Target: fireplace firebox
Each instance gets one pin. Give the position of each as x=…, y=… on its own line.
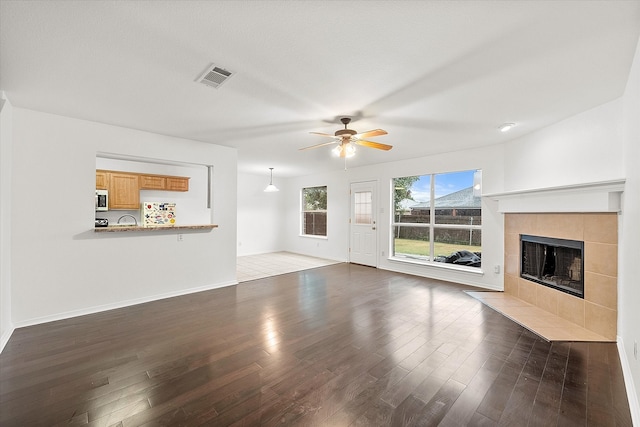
x=556, y=263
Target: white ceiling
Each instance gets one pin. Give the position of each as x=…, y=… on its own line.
x=437, y=75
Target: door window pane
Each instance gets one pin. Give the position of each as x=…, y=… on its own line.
x=363, y=207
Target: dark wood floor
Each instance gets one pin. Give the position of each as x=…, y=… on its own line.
x=335, y=346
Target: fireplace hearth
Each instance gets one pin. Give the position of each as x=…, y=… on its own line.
x=556, y=263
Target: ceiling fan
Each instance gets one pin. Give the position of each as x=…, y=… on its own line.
x=348, y=137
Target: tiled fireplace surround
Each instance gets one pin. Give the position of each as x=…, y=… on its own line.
x=597, y=312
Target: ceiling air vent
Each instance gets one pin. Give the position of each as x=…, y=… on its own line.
x=214, y=76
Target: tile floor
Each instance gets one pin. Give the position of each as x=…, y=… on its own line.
x=253, y=267
x=541, y=322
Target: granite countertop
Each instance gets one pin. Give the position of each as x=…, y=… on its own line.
x=129, y=228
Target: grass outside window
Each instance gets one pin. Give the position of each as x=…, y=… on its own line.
x=421, y=247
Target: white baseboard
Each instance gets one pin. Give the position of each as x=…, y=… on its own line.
x=5, y=337
x=121, y=304
x=632, y=394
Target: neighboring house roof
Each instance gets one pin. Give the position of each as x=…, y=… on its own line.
x=463, y=199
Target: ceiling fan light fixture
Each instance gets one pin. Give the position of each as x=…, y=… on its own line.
x=350, y=150
x=271, y=188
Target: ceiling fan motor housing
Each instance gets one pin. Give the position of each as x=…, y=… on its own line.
x=345, y=132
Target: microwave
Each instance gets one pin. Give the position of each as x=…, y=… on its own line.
x=102, y=200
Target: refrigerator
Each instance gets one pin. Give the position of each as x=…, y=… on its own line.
x=158, y=214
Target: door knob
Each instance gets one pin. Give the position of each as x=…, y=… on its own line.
x=373, y=228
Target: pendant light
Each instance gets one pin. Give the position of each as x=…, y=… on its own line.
x=271, y=188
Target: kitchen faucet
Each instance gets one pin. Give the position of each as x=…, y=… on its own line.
x=131, y=216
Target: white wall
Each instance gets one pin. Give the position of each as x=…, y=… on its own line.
x=6, y=324
x=581, y=149
x=489, y=159
x=629, y=239
x=61, y=267
x=260, y=217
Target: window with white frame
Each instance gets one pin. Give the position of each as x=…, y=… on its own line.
x=314, y=211
x=438, y=218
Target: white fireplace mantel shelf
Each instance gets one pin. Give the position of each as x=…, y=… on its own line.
x=604, y=196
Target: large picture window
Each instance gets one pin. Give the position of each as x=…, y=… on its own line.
x=314, y=211
x=438, y=218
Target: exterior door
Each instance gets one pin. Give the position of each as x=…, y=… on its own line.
x=363, y=240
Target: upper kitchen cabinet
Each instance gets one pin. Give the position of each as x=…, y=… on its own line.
x=177, y=183
x=124, y=187
x=153, y=182
x=164, y=182
x=124, y=191
x=102, y=180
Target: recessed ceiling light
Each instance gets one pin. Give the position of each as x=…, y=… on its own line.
x=505, y=127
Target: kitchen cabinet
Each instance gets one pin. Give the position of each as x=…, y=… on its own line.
x=164, y=182
x=177, y=183
x=102, y=180
x=124, y=187
x=124, y=191
x=153, y=182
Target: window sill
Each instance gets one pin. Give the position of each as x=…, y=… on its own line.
x=313, y=237
x=441, y=265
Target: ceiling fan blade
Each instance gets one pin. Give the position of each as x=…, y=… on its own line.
x=371, y=133
x=319, y=145
x=372, y=144
x=323, y=134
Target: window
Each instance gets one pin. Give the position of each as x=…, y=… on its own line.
x=438, y=218
x=362, y=204
x=314, y=211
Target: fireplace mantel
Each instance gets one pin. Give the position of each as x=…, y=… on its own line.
x=604, y=196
